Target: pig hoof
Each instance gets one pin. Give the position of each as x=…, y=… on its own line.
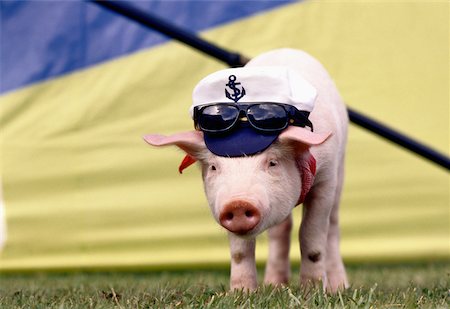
x=245, y=285
x=337, y=282
x=277, y=278
x=277, y=281
x=313, y=283
x=244, y=288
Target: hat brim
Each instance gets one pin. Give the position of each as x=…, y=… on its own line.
x=246, y=141
x=242, y=141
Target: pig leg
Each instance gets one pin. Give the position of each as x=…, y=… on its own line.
x=313, y=233
x=278, y=268
x=337, y=278
x=243, y=266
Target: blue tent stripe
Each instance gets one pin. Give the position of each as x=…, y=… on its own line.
x=45, y=39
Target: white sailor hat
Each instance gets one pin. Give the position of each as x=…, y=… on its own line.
x=252, y=85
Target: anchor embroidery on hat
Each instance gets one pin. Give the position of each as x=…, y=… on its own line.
x=237, y=93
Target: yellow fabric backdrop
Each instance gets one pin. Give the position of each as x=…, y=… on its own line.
x=82, y=189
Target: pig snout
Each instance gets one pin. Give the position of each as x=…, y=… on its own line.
x=239, y=217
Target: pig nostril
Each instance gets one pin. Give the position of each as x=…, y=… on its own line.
x=249, y=214
x=229, y=216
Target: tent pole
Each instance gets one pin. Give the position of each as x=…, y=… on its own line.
x=234, y=59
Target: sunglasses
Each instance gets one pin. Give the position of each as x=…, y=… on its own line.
x=268, y=117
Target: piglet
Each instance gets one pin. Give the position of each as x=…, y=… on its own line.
x=252, y=193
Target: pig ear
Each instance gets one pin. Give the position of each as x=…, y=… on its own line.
x=190, y=142
x=304, y=136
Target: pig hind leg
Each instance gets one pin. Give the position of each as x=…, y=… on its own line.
x=337, y=278
x=278, y=268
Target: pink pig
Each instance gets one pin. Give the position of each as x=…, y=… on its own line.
x=250, y=194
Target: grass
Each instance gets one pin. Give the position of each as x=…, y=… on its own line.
x=373, y=286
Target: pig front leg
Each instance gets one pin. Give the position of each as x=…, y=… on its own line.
x=313, y=234
x=243, y=266
x=278, y=268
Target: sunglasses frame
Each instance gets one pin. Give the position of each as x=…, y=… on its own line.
x=294, y=116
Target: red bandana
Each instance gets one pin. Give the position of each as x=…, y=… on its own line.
x=187, y=161
x=307, y=167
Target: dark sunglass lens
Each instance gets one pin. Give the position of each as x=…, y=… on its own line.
x=218, y=118
x=267, y=116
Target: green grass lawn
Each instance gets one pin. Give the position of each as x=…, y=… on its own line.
x=373, y=286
